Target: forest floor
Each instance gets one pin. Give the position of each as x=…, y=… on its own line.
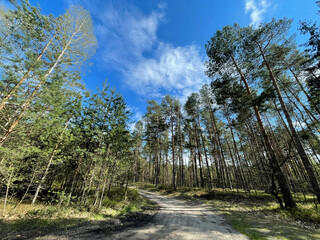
x=73, y=228
x=176, y=219
x=257, y=216
x=161, y=213
x=47, y=221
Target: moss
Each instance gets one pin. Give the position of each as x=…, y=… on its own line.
x=243, y=227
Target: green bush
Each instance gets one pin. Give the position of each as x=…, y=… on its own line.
x=90, y=201
x=162, y=187
x=133, y=195
x=168, y=189
x=107, y=202
x=116, y=194
x=128, y=209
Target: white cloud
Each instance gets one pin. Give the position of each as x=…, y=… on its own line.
x=123, y=31
x=177, y=70
x=257, y=9
x=125, y=34
x=128, y=43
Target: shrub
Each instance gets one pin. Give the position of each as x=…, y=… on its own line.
x=107, y=202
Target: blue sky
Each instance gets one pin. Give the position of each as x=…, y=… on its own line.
x=150, y=48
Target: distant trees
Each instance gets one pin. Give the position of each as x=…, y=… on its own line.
x=169, y=107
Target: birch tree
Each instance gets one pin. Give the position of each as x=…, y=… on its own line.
x=74, y=43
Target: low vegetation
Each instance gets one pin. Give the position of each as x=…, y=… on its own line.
x=61, y=214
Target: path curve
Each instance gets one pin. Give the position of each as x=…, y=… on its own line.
x=180, y=220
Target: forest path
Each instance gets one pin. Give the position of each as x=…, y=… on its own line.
x=180, y=219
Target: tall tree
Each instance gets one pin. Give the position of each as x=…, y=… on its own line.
x=73, y=44
x=169, y=104
x=224, y=51
x=260, y=41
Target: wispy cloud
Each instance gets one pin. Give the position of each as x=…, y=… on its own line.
x=129, y=44
x=125, y=35
x=257, y=10
x=123, y=31
x=176, y=70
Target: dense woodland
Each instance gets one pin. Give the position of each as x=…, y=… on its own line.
x=254, y=127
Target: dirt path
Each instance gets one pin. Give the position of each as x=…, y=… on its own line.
x=179, y=219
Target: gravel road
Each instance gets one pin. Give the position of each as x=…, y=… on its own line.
x=179, y=219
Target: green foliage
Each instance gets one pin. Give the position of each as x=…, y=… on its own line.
x=117, y=193
x=240, y=225
x=58, y=136
x=312, y=64
x=304, y=212
x=130, y=208
x=107, y=202
x=167, y=189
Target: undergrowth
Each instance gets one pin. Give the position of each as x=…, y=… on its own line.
x=56, y=215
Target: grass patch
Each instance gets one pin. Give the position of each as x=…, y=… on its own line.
x=44, y=217
x=242, y=226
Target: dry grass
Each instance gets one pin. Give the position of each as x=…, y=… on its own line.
x=44, y=217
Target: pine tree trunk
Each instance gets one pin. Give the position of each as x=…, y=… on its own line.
x=244, y=183
x=74, y=179
x=26, y=192
x=283, y=183
x=215, y=158
x=199, y=156
x=104, y=186
x=126, y=189
x=157, y=155
x=195, y=167
x=205, y=156
x=174, y=185
x=300, y=149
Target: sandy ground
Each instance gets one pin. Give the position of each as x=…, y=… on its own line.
x=179, y=219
